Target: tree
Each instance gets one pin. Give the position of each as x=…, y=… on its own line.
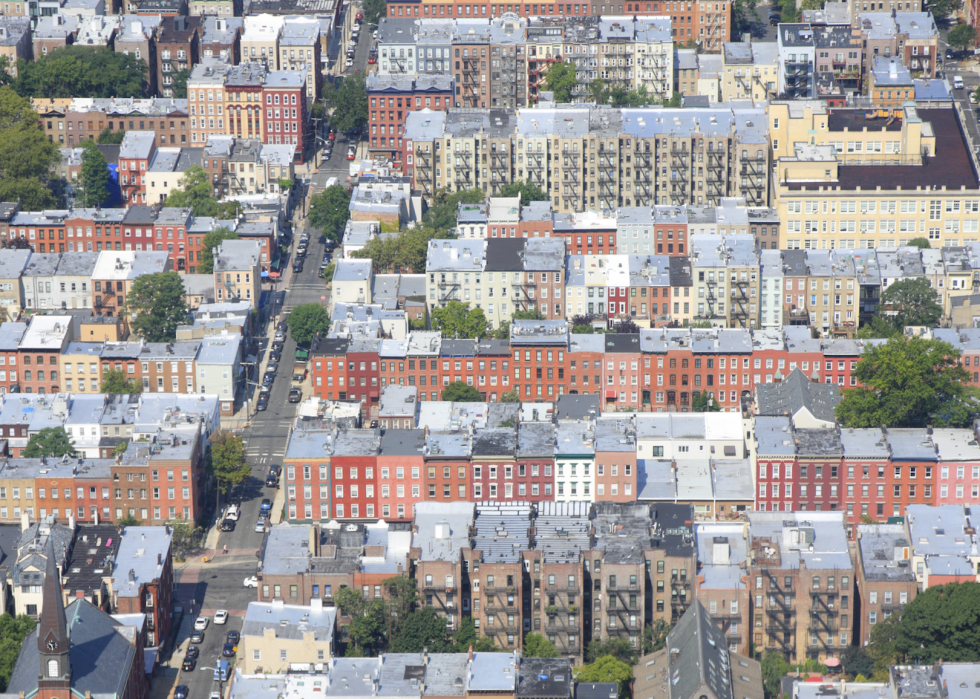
x=81, y=70
x=879, y=327
x=94, y=179
x=963, y=36
x=856, y=661
x=561, y=80
x=229, y=459
x=50, y=441
x=460, y=392
x=374, y=10
x=110, y=138
x=583, y=329
x=941, y=623
x=618, y=648
x=457, y=319
x=537, y=646
x=882, y=649
x=159, y=305
x=401, y=253
x=29, y=191
x=330, y=211
x=195, y=193
x=115, y=381
x=306, y=320
x=180, y=83
x=445, y=207
x=527, y=191
x=205, y=264
x=531, y=314
x=13, y=631
x=944, y=8
x=26, y=153
x=626, y=326
x=350, y=104
x=921, y=243
x=655, y=636
x=15, y=243
x=607, y=669
x=914, y=302
x=129, y=521
x=510, y=397
x=423, y=628
x=701, y=402
x=909, y=382
x=185, y=536
x=466, y=638
x=774, y=668
x=403, y=593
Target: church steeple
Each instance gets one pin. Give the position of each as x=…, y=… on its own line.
x=54, y=673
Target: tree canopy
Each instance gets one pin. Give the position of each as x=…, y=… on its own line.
x=81, y=70
x=962, y=36
x=26, y=154
x=115, y=381
x=460, y=392
x=212, y=239
x=349, y=102
x=159, y=303
x=701, y=402
x=374, y=10
x=921, y=243
x=13, y=631
x=445, y=207
x=179, y=85
x=617, y=647
x=511, y=396
x=527, y=191
x=941, y=623
x=913, y=302
x=229, y=459
x=197, y=194
x=536, y=645
x=94, y=178
x=329, y=211
x=306, y=320
x=466, y=637
x=50, y=441
x=457, y=319
x=607, y=669
x=909, y=382
x=405, y=252
x=561, y=80
x=110, y=138
x=423, y=628
x=774, y=668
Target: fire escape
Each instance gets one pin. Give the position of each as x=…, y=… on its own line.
x=503, y=614
x=573, y=186
x=824, y=620
x=740, y=300
x=536, y=168
x=717, y=175
x=463, y=170
x=711, y=297
x=654, y=66
x=448, y=288
x=643, y=184
x=562, y=615
x=796, y=71
x=780, y=619
x=608, y=186
x=537, y=71
x=679, y=588
x=524, y=291
x=499, y=166
x=423, y=170
x=508, y=80
x=680, y=173
x=470, y=88
x=624, y=613
x=754, y=178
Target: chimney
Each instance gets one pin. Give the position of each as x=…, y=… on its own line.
x=425, y=655
x=132, y=575
x=25, y=521
x=471, y=652
x=159, y=559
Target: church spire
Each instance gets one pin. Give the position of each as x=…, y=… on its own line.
x=52, y=630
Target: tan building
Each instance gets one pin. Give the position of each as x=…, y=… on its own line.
x=80, y=365
x=749, y=71
x=15, y=39
x=497, y=573
x=237, y=264
x=440, y=545
x=205, y=98
x=722, y=586
x=276, y=635
x=726, y=280
x=885, y=578
x=260, y=40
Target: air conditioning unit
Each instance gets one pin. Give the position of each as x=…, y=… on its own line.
x=450, y=605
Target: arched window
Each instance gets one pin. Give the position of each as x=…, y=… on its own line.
x=52, y=668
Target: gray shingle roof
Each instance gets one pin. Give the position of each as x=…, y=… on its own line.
x=795, y=392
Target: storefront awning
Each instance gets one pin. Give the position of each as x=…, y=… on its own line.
x=611, y=394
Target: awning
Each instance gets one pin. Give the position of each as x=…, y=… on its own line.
x=264, y=274
x=611, y=393
x=832, y=662
x=274, y=274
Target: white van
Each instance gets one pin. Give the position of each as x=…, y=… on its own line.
x=957, y=82
x=332, y=181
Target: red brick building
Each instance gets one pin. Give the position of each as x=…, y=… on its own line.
x=392, y=97
x=143, y=579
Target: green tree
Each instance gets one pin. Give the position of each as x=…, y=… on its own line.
x=583, y=329
x=180, y=84
x=50, y=441
x=330, y=211
x=403, y=594
x=879, y=327
x=626, y=327
x=374, y=10
x=445, y=207
x=328, y=273
x=510, y=397
x=229, y=460
x=909, y=382
x=129, y=521
x=159, y=303
x=13, y=631
x=962, y=36
x=94, y=179
x=26, y=153
x=655, y=636
x=618, y=648
x=774, y=668
x=195, y=193
x=921, y=243
x=350, y=104
x=185, y=537
x=212, y=239
x=368, y=628
x=914, y=302
x=561, y=80
x=883, y=647
x=29, y=191
x=607, y=669
x=81, y=70
x=306, y=320
x=857, y=661
x=110, y=138
x=423, y=628
x=531, y=314
x=701, y=402
x=941, y=623
x=537, y=646
x=466, y=638
x=457, y=319
x=115, y=381
x=460, y=392
x=527, y=191
x=405, y=252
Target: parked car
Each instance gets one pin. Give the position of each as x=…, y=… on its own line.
x=265, y=506
x=949, y=53
x=272, y=366
x=775, y=20
x=188, y=664
x=192, y=652
x=228, y=525
x=268, y=379
x=347, y=64
x=251, y=582
x=260, y=526
x=295, y=395
x=351, y=153
x=298, y=266
x=332, y=135
x=197, y=637
x=180, y=691
x=229, y=650
x=201, y=623
x=262, y=404
x=221, y=616
x=233, y=637
x=274, y=355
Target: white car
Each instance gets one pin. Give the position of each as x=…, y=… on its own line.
x=221, y=616
x=232, y=513
x=251, y=582
x=973, y=98
x=349, y=63
x=201, y=623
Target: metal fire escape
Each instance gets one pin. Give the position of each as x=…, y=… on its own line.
x=470, y=88
x=754, y=178
x=462, y=170
x=740, y=299
x=797, y=72
x=448, y=288
x=608, y=184
x=535, y=161
x=524, y=291
x=423, y=170
x=573, y=180
x=717, y=175
x=643, y=184
x=680, y=173
x=499, y=166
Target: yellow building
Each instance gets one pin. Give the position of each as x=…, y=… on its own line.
x=81, y=367
x=276, y=635
x=864, y=179
x=749, y=71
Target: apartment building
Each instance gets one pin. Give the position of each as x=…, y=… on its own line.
x=115, y=272
x=396, y=95
x=722, y=586
x=797, y=57
x=40, y=348
x=726, y=280
x=177, y=48
x=440, y=557
x=937, y=559
x=497, y=578
x=142, y=579
x=885, y=579
x=749, y=71
x=801, y=573
x=236, y=270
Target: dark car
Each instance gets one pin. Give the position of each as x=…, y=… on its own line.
x=233, y=637
x=298, y=266
x=274, y=355
x=180, y=691
x=229, y=650
x=775, y=20
x=268, y=379
x=189, y=664
x=277, y=345
x=949, y=53
x=282, y=326
x=228, y=525
x=374, y=424
x=295, y=395
x=262, y=404
x=266, y=506
x=192, y=652
x=197, y=637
